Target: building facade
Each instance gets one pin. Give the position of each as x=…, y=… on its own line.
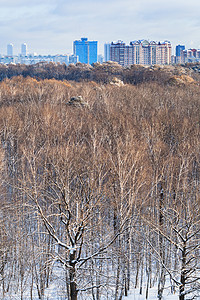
x=141, y=52
x=190, y=56
x=100, y=58
x=179, y=49
x=10, y=50
x=24, y=49
x=85, y=50
x=107, y=51
x=118, y=52
x=73, y=59
x=164, y=50
x=32, y=59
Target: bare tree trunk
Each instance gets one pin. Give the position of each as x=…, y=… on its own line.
x=183, y=273
x=137, y=271
x=72, y=277
x=141, y=275
x=161, y=280
x=117, y=279
x=147, y=289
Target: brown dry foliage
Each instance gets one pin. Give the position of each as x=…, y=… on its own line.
x=156, y=122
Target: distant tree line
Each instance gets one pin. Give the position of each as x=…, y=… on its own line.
x=101, y=73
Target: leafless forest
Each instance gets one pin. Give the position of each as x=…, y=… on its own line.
x=99, y=197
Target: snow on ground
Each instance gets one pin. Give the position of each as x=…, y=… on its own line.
x=134, y=295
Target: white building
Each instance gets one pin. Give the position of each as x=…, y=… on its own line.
x=107, y=52
x=100, y=58
x=73, y=59
x=190, y=56
x=10, y=50
x=24, y=49
x=141, y=52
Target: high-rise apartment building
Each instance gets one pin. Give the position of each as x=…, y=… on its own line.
x=179, y=49
x=141, y=52
x=107, y=51
x=100, y=58
x=10, y=50
x=24, y=49
x=86, y=50
x=190, y=55
x=118, y=52
x=164, y=52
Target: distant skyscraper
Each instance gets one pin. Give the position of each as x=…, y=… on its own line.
x=118, y=52
x=100, y=58
x=24, y=49
x=190, y=56
x=179, y=54
x=86, y=50
x=107, y=52
x=10, y=50
x=164, y=53
x=179, y=48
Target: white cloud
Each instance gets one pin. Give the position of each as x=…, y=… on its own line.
x=52, y=25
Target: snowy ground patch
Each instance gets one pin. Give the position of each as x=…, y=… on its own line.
x=135, y=295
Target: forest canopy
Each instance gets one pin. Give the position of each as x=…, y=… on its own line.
x=104, y=73
x=102, y=197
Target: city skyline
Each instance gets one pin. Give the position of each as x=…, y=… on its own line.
x=51, y=27
x=9, y=49
x=141, y=52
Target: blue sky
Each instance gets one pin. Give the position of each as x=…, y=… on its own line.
x=50, y=26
